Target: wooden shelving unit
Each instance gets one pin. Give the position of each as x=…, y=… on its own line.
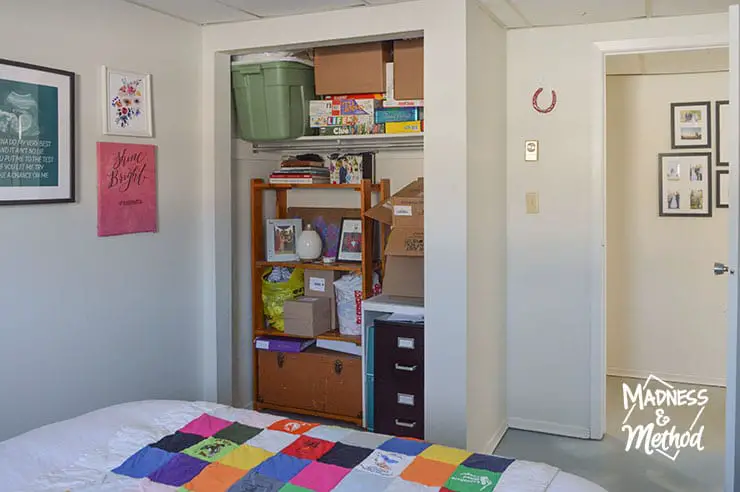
x=258, y=190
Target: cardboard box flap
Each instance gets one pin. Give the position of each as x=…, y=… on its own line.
x=405, y=241
x=383, y=212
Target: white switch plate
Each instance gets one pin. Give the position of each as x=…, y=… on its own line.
x=531, y=150
x=533, y=202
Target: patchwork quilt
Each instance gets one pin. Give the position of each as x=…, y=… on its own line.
x=213, y=454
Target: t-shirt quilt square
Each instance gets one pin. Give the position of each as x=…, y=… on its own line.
x=345, y=456
x=409, y=447
x=401, y=485
x=308, y=448
x=211, y=449
x=144, y=462
x=289, y=487
x=254, y=482
x=472, y=480
x=215, y=478
x=364, y=439
x=445, y=454
x=385, y=463
x=206, y=425
x=178, y=471
x=428, y=472
x=360, y=481
x=488, y=462
x=238, y=433
x=273, y=441
x=292, y=426
x=245, y=457
x=282, y=467
x=177, y=442
x=329, y=432
x=320, y=477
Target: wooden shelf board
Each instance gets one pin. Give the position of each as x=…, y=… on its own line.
x=318, y=186
x=300, y=411
x=339, y=267
x=331, y=335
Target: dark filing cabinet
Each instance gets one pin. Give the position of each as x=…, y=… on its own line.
x=399, y=378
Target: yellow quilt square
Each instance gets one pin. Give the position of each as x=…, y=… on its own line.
x=245, y=457
x=445, y=455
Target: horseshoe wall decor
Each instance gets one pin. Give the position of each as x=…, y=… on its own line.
x=536, y=105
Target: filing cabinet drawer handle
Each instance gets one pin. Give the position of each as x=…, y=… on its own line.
x=399, y=367
x=410, y=425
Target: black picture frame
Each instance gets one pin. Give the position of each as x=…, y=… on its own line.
x=707, y=106
x=707, y=157
x=66, y=175
x=718, y=203
x=350, y=256
x=718, y=105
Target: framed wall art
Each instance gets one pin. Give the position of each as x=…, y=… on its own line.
x=127, y=104
x=281, y=238
x=690, y=125
x=685, y=184
x=722, y=184
x=721, y=127
x=350, y=240
x=37, y=134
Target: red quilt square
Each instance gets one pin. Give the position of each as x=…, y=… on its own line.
x=308, y=448
x=292, y=426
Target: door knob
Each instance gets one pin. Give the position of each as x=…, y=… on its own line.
x=721, y=269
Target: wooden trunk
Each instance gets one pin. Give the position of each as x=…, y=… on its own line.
x=315, y=380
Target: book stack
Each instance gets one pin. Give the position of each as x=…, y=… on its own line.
x=300, y=171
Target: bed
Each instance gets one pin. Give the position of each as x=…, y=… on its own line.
x=206, y=447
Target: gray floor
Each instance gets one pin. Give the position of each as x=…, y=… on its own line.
x=607, y=463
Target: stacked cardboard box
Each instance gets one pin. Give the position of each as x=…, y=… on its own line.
x=404, y=252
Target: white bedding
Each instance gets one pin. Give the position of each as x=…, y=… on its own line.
x=77, y=455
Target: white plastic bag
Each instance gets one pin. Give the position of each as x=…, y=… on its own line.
x=257, y=58
x=348, y=291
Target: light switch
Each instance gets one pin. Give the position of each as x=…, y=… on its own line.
x=531, y=150
x=533, y=202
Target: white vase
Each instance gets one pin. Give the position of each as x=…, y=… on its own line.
x=309, y=244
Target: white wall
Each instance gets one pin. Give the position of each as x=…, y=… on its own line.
x=89, y=322
x=549, y=269
x=486, y=174
x=665, y=307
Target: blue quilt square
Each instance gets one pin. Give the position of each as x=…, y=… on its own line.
x=144, y=462
x=408, y=447
x=494, y=464
x=178, y=471
x=282, y=467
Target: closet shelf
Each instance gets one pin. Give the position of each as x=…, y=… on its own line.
x=396, y=141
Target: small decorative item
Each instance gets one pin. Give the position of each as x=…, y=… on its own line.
x=37, y=134
x=722, y=126
x=127, y=108
x=536, y=104
x=722, y=178
x=690, y=125
x=309, y=244
x=351, y=168
x=127, y=188
x=684, y=184
x=281, y=236
x=350, y=240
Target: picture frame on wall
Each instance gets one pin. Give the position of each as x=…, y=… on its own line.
x=685, y=184
x=691, y=125
x=281, y=239
x=350, y=241
x=37, y=134
x=127, y=103
x=721, y=127
x=722, y=185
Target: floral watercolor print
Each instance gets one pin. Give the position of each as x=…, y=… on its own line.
x=128, y=102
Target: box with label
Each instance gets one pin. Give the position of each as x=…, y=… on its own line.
x=363, y=129
x=388, y=115
x=307, y=316
x=351, y=68
x=320, y=283
x=344, y=120
x=343, y=107
x=403, y=127
x=404, y=209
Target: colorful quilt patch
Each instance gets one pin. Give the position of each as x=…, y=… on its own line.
x=211, y=449
x=428, y=472
x=179, y=470
x=320, y=477
x=245, y=457
x=143, y=462
x=179, y=441
x=385, y=463
x=254, y=482
x=215, y=478
x=282, y=467
x=409, y=447
x=206, y=425
x=472, y=480
x=238, y=433
x=445, y=455
x=345, y=455
x=272, y=441
x=308, y=448
x=292, y=426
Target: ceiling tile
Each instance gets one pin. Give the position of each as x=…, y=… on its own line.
x=198, y=11
x=689, y=7
x=507, y=14
x=274, y=8
x=566, y=12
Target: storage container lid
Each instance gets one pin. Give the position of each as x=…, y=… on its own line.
x=275, y=56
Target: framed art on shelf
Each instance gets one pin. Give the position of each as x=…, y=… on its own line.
x=37, y=134
x=350, y=240
x=281, y=237
x=721, y=127
x=127, y=105
x=685, y=184
x=722, y=183
x=691, y=125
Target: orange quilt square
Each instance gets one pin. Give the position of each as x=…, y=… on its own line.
x=428, y=472
x=215, y=478
x=292, y=426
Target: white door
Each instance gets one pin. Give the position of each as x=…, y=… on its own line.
x=732, y=453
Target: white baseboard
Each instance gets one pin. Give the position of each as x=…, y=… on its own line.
x=673, y=378
x=495, y=439
x=549, y=428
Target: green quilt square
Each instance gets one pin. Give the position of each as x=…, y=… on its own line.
x=211, y=449
x=472, y=480
x=289, y=487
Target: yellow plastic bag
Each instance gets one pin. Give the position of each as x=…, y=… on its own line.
x=274, y=295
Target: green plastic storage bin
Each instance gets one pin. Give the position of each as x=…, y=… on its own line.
x=272, y=99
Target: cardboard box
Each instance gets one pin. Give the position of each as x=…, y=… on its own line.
x=404, y=209
x=404, y=276
x=320, y=283
x=307, y=316
x=403, y=127
x=387, y=115
x=351, y=69
x=375, y=129
x=408, y=68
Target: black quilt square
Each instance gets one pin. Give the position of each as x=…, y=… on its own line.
x=179, y=441
x=345, y=455
x=238, y=433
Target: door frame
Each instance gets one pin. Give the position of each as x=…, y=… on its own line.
x=597, y=425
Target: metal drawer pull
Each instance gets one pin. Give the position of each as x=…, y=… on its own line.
x=399, y=367
x=410, y=425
